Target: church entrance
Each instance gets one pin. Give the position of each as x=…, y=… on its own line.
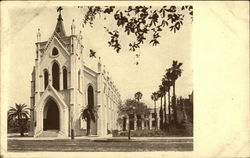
x=51, y=116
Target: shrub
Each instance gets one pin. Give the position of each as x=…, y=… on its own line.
x=115, y=133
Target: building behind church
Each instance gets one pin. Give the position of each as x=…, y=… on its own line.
x=62, y=85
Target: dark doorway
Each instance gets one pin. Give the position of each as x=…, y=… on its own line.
x=91, y=124
x=55, y=76
x=131, y=122
x=90, y=96
x=138, y=122
x=124, y=123
x=51, y=116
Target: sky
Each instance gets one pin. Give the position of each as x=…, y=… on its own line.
x=127, y=76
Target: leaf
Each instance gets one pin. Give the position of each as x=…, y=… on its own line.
x=177, y=25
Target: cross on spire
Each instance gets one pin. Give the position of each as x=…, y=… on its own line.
x=59, y=9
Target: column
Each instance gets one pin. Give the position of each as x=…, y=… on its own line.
x=158, y=120
x=127, y=123
x=150, y=121
x=135, y=122
x=142, y=122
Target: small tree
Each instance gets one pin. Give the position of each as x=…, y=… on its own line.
x=154, y=97
x=89, y=114
x=138, y=96
x=132, y=106
x=161, y=92
x=173, y=74
x=19, y=112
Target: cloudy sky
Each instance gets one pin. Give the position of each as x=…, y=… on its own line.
x=128, y=77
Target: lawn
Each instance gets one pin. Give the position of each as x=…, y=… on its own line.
x=99, y=146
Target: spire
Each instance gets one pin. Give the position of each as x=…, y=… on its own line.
x=73, y=27
x=59, y=26
x=59, y=9
x=38, y=36
x=80, y=37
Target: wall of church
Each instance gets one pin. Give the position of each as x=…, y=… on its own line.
x=111, y=102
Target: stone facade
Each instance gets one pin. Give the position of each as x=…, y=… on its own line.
x=62, y=85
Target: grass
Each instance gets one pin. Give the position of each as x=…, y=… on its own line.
x=93, y=146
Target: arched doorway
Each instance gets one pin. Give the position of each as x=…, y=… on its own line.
x=91, y=125
x=90, y=96
x=55, y=76
x=51, y=116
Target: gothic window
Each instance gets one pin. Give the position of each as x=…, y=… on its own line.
x=79, y=80
x=55, y=76
x=54, y=52
x=46, y=78
x=65, y=78
x=90, y=96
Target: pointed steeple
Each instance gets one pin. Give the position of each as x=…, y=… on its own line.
x=59, y=26
x=73, y=27
x=38, y=36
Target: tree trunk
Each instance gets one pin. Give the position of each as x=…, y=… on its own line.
x=174, y=104
x=88, y=126
x=165, y=112
x=169, y=110
x=20, y=122
x=161, y=116
x=129, y=137
x=156, y=121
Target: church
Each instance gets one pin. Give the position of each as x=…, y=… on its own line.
x=62, y=86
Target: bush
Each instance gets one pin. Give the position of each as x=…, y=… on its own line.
x=13, y=126
x=108, y=131
x=173, y=131
x=115, y=133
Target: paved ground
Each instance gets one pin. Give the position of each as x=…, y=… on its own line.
x=96, y=144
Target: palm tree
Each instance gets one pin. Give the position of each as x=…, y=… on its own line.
x=138, y=96
x=161, y=93
x=88, y=114
x=21, y=113
x=154, y=97
x=168, y=84
x=173, y=74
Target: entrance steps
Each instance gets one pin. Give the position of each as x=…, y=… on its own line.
x=50, y=133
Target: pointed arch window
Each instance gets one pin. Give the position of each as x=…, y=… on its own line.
x=55, y=52
x=65, y=78
x=46, y=78
x=55, y=76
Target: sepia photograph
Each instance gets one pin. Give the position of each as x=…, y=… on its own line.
x=116, y=77
x=101, y=78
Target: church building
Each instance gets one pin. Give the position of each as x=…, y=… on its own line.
x=63, y=86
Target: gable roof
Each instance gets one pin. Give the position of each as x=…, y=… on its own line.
x=51, y=92
x=60, y=33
